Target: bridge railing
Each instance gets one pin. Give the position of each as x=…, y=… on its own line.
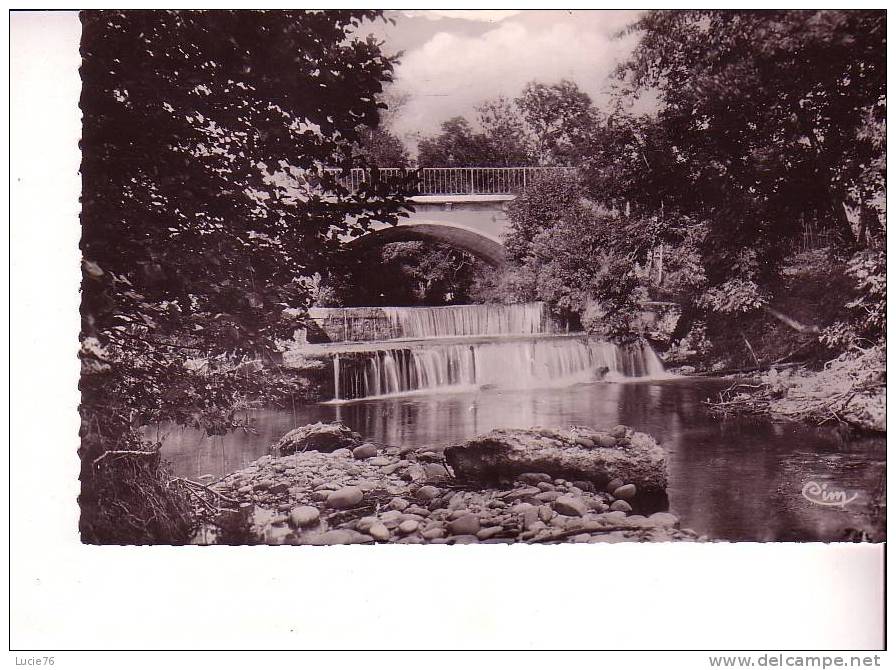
x=455, y=180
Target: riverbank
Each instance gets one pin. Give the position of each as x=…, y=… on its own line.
x=364, y=493
x=850, y=390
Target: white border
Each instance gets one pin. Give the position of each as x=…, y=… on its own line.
x=66, y=595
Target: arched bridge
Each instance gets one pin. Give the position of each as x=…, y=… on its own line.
x=463, y=207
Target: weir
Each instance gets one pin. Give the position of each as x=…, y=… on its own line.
x=465, y=347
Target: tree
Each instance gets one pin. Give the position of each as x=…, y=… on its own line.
x=456, y=146
x=772, y=112
x=506, y=133
x=207, y=201
x=381, y=148
x=560, y=118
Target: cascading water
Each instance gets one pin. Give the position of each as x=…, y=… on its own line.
x=527, y=355
x=468, y=320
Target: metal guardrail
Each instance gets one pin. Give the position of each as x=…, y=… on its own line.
x=454, y=181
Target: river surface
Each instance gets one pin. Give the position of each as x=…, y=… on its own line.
x=735, y=479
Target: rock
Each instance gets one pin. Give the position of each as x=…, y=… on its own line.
x=365, y=523
x=342, y=453
x=338, y=536
x=619, y=431
x=263, y=485
x=435, y=472
x=399, y=504
x=437, y=532
x=345, y=498
x=486, y=533
x=534, y=478
x=626, y=492
x=621, y=506
x=316, y=436
x=427, y=492
x=408, y=526
x=365, y=451
x=467, y=524
x=570, y=506
x=613, y=484
x=512, y=453
x=605, y=440
x=545, y=513
x=586, y=442
x=379, y=532
x=279, y=488
x=465, y=539
x=303, y=515
x=547, y=496
x=663, y=519
x=417, y=510
x=585, y=485
x=379, y=461
x=518, y=494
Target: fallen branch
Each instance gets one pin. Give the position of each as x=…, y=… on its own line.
x=124, y=452
x=210, y=490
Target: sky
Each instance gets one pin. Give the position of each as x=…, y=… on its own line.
x=453, y=60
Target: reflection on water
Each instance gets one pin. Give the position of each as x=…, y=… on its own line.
x=737, y=479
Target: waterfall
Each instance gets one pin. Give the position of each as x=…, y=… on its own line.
x=515, y=364
x=468, y=320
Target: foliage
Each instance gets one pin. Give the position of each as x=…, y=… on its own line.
x=381, y=148
x=560, y=118
x=539, y=207
x=133, y=499
x=867, y=321
x=545, y=125
x=407, y=273
x=764, y=113
x=207, y=202
x=457, y=146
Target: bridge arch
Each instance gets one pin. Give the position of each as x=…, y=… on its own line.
x=480, y=244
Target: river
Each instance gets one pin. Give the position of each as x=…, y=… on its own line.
x=733, y=479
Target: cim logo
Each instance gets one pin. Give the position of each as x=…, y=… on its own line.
x=821, y=494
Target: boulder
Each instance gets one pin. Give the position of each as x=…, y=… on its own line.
x=317, y=437
x=345, y=498
x=365, y=451
x=509, y=453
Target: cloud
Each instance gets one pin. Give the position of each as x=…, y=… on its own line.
x=488, y=15
x=452, y=72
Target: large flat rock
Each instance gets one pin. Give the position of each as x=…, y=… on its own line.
x=574, y=454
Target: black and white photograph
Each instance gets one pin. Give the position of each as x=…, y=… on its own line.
x=479, y=277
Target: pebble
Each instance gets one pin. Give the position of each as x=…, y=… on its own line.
x=491, y=531
x=345, y=498
x=379, y=461
x=613, y=484
x=342, y=453
x=621, y=506
x=408, y=526
x=522, y=493
x=465, y=539
x=545, y=486
x=427, y=492
x=619, y=431
x=625, y=492
x=379, y=532
x=435, y=472
x=534, y=477
x=570, y=506
x=399, y=504
x=365, y=451
x=418, y=511
x=337, y=536
x=303, y=515
x=467, y=524
x=663, y=519
x=434, y=533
